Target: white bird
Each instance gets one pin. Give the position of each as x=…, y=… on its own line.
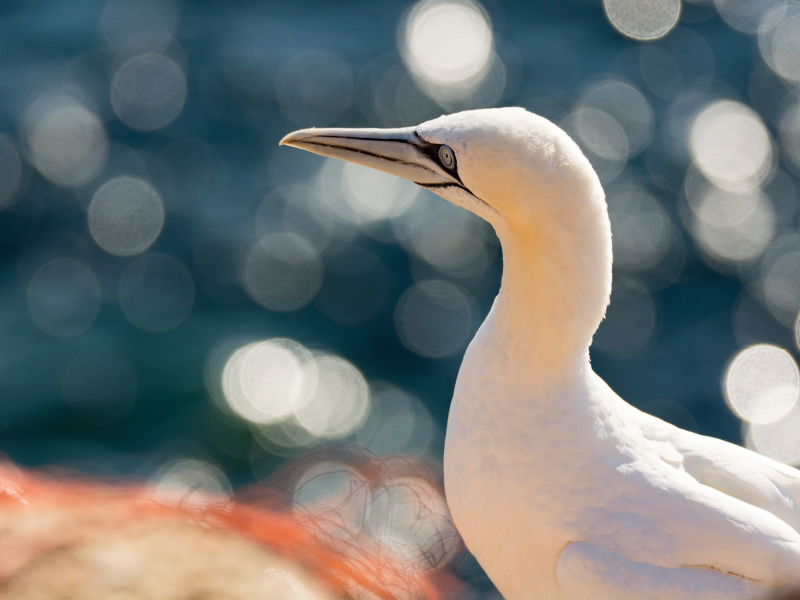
x=560, y=488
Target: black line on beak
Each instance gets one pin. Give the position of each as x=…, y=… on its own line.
x=429, y=149
x=358, y=151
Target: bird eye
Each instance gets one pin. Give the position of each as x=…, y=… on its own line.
x=447, y=157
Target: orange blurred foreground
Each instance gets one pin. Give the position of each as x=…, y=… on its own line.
x=64, y=538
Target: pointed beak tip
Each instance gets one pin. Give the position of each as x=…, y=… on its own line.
x=291, y=138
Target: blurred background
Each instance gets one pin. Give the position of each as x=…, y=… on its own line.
x=182, y=300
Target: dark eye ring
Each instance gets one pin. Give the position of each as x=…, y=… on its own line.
x=447, y=157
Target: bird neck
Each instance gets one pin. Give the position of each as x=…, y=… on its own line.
x=555, y=288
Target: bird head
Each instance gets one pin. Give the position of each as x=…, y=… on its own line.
x=526, y=177
x=508, y=166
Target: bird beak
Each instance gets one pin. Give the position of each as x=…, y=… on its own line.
x=400, y=152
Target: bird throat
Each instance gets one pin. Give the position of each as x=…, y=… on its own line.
x=553, y=295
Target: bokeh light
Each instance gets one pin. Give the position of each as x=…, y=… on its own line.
x=731, y=227
x=148, y=91
x=628, y=108
x=64, y=297
x=777, y=39
x=359, y=196
x=448, y=44
x=376, y=195
x=762, y=384
x=125, y=216
x=602, y=140
x=268, y=381
x=731, y=145
x=66, y=141
x=786, y=49
x=745, y=15
x=294, y=396
x=646, y=20
x=601, y=134
x=283, y=272
x=340, y=401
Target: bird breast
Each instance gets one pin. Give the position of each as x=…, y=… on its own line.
x=522, y=477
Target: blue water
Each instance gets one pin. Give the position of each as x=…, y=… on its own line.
x=232, y=53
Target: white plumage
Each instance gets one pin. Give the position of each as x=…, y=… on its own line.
x=560, y=488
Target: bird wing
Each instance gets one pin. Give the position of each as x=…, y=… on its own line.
x=742, y=474
x=667, y=513
x=735, y=471
x=588, y=573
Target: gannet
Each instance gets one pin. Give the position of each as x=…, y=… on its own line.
x=560, y=488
